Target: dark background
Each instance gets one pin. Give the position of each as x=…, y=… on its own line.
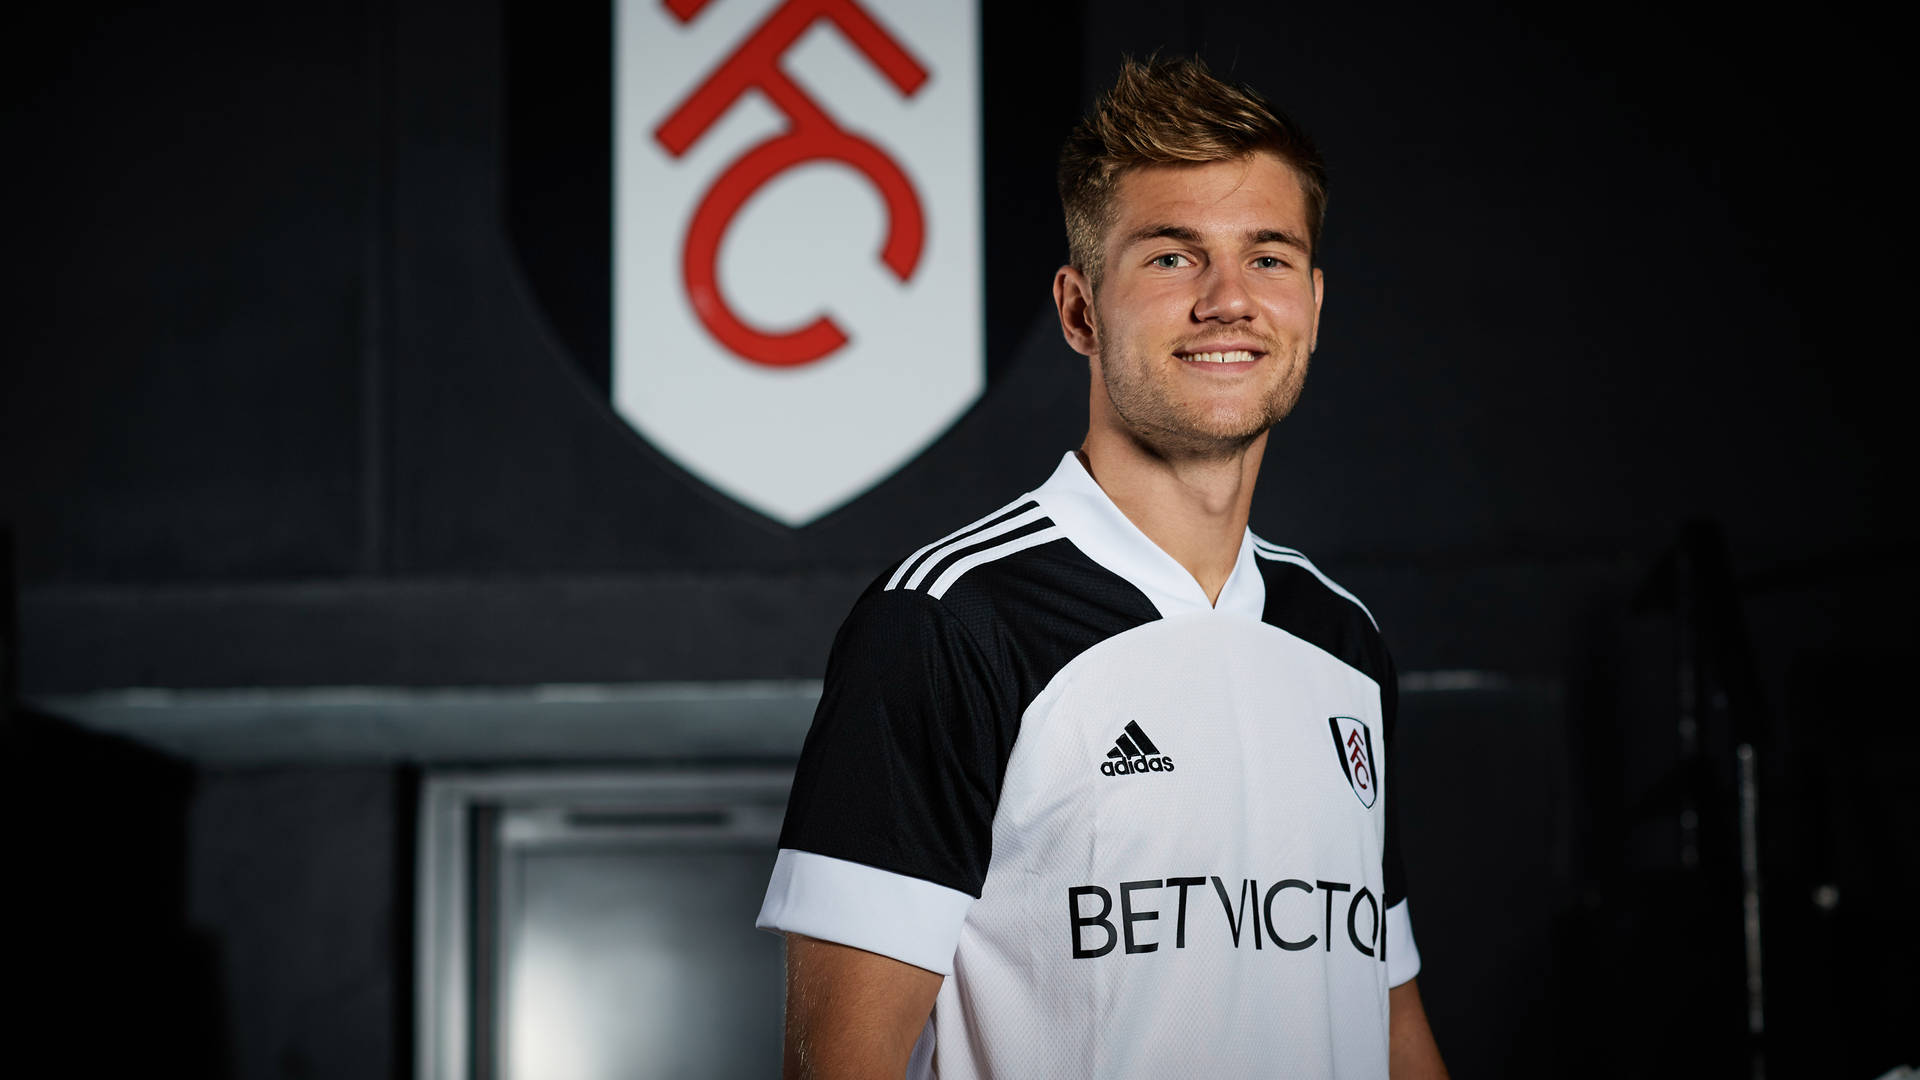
x=304, y=387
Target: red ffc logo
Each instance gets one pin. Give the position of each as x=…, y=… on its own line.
x=797, y=248
x=811, y=135
x=1353, y=746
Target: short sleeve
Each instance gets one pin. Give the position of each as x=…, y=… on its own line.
x=1403, y=956
x=888, y=829
x=1394, y=868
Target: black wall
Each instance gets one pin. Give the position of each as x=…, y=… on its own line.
x=303, y=387
x=1584, y=281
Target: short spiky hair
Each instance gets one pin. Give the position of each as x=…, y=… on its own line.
x=1171, y=112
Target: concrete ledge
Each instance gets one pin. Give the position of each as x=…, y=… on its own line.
x=545, y=724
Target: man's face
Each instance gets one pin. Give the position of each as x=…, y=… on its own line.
x=1208, y=307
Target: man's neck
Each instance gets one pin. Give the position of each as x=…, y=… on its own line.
x=1193, y=508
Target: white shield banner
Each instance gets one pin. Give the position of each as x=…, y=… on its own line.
x=797, y=239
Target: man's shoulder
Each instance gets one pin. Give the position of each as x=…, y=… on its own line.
x=1012, y=576
x=1304, y=601
x=935, y=568
x=1303, y=582
x=1004, y=602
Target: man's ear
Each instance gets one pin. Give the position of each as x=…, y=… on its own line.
x=1319, y=294
x=1073, y=300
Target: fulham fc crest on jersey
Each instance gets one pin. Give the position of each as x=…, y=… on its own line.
x=1353, y=746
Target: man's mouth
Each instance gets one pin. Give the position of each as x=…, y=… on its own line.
x=1225, y=356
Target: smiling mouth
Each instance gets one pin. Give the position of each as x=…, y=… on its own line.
x=1230, y=356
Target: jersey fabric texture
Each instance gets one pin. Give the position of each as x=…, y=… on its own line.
x=1143, y=835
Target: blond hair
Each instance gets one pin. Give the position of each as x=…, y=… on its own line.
x=1171, y=112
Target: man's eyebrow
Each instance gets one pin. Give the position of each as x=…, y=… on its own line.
x=1163, y=232
x=1187, y=235
x=1276, y=236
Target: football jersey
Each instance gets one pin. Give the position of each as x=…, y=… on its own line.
x=1143, y=835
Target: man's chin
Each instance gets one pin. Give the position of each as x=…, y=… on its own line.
x=1198, y=440
x=1234, y=427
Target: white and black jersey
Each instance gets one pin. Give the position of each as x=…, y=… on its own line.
x=1146, y=836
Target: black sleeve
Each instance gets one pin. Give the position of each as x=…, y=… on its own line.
x=1396, y=875
x=902, y=767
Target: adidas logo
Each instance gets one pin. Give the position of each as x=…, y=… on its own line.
x=1134, y=753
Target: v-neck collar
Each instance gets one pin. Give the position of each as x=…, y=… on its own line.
x=1096, y=526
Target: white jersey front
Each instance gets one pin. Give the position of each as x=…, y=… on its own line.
x=1145, y=835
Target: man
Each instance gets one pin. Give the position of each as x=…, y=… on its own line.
x=1097, y=786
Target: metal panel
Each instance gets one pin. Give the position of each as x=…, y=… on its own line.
x=590, y=924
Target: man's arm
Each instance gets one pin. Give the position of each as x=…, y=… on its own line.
x=852, y=1014
x=1411, y=1052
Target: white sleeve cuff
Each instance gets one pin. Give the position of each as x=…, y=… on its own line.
x=895, y=915
x=1403, y=957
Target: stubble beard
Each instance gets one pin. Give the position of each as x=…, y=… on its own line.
x=1174, y=428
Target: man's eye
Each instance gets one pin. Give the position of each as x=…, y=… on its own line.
x=1169, y=262
x=1270, y=262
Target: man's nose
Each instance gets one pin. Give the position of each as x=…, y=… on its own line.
x=1223, y=296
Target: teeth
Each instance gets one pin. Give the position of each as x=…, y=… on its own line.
x=1238, y=356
